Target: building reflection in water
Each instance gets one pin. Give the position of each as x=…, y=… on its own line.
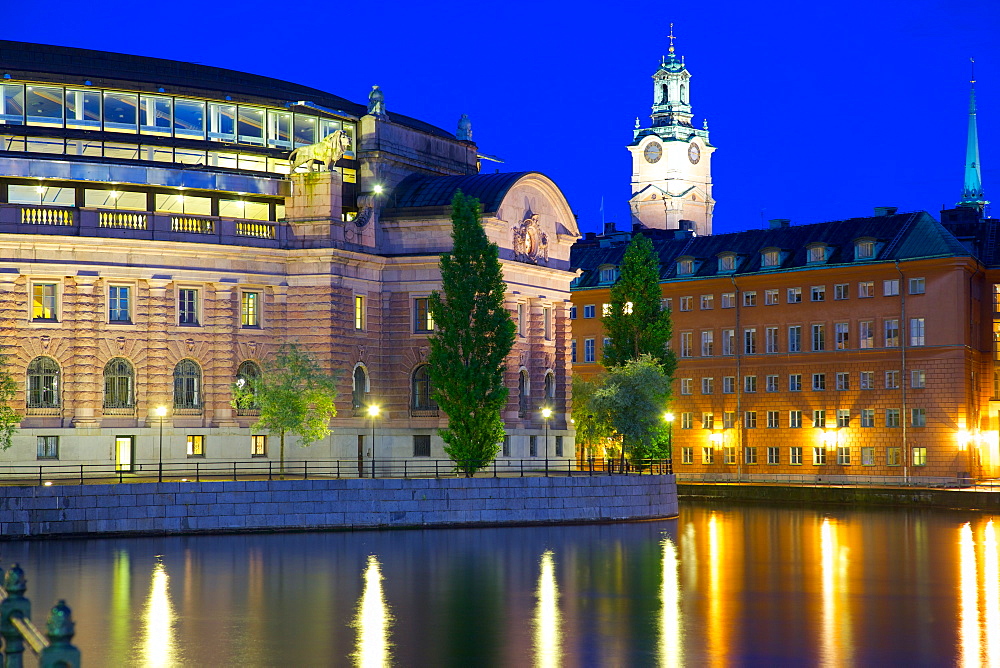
x=671, y=649
x=158, y=647
x=373, y=620
x=718, y=635
x=979, y=605
x=835, y=636
x=121, y=603
x=548, y=636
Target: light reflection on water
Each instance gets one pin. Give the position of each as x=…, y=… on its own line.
x=720, y=586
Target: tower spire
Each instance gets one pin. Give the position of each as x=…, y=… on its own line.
x=972, y=190
x=671, y=36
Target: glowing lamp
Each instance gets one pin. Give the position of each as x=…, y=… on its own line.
x=161, y=411
x=378, y=189
x=669, y=417
x=373, y=411
x=715, y=438
x=546, y=413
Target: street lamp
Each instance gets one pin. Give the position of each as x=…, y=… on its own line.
x=161, y=412
x=546, y=414
x=373, y=411
x=669, y=417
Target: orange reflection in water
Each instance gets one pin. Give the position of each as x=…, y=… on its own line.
x=671, y=629
x=835, y=637
x=718, y=634
x=979, y=605
x=373, y=620
x=158, y=647
x=548, y=635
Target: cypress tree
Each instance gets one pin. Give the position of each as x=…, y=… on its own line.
x=473, y=335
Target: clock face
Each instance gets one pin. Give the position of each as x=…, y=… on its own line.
x=653, y=152
x=694, y=153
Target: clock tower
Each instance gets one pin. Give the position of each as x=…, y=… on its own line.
x=671, y=159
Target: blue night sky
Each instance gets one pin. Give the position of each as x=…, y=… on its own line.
x=820, y=110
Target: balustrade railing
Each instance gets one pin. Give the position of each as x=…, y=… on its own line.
x=45, y=215
x=192, y=225
x=122, y=220
x=257, y=230
x=54, y=648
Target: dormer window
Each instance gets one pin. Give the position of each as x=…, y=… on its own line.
x=608, y=274
x=864, y=249
x=817, y=253
x=770, y=257
x=727, y=263
x=685, y=267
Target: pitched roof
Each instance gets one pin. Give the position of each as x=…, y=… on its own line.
x=904, y=236
x=418, y=190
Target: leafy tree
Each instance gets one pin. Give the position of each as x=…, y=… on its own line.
x=10, y=420
x=473, y=336
x=632, y=399
x=636, y=324
x=592, y=426
x=293, y=395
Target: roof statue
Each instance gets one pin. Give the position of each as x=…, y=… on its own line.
x=972, y=191
x=328, y=151
x=464, y=129
x=376, y=102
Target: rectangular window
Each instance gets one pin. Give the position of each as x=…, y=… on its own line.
x=818, y=338
x=749, y=455
x=707, y=455
x=867, y=417
x=819, y=382
x=687, y=344
x=920, y=456
x=588, y=311
x=891, y=333
x=867, y=380
x=187, y=306
x=795, y=382
x=773, y=419
x=819, y=456
x=421, y=445
x=840, y=336
x=770, y=297
x=892, y=457
x=687, y=385
x=572, y=313
x=728, y=341
x=707, y=385
x=505, y=448
x=892, y=380
x=891, y=417
x=359, y=312
x=866, y=334
x=864, y=250
x=250, y=309
x=916, y=331
x=258, y=445
x=750, y=298
x=729, y=419
x=572, y=350
x=708, y=420
x=818, y=293
x=707, y=302
x=794, y=296
x=48, y=447
x=795, y=339
x=685, y=303
x=750, y=384
x=687, y=420
x=728, y=300
x=121, y=112
x=750, y=341
x=83, y=109
x=841, y=291
x=687, y=455
x=795, y=455
x=547, y=322
x=843, y=417
x=728, y=384
x=771, y=339
x=843, y=455
x=750, y=419
x=667, y=304
x=532, y=446
x=422, y=319
x=43, y=301
x=773, y=454
x=843, y=380
x=918, y=379
x=917, y=286
x=195, y=446
x=918, y=417
x=866, y=289
x=588, y=350
x=771, y=383
x=795, y=419
x=868, y=456
x=707, y=343
x=119, y=304
x=819, y=419
x=729, y=453
x=890, y=288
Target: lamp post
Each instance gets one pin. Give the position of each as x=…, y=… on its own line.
x=373, y=411
x=161, y=412
x=546, y=414
x=669, y=417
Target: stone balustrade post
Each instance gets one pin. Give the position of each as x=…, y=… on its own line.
x=59, y=629
x=15, y=605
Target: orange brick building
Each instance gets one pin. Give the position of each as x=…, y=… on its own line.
x=858, y=348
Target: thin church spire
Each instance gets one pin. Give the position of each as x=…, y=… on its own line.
x=972, y=190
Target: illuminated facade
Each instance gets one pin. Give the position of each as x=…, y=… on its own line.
x=859, y=348
x=156, y=248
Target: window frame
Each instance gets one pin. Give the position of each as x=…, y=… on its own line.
x=195, y=446
x=55, y=308
x=183, y=315
x=251, y=317
x=130, y=303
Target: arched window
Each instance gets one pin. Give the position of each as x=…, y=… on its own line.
x=421, y=394
x=666, y=94
x=119, y=384
x=187, y=385
x=523, y=391
x=683, y=94
x=246, y=374
x=550, y=385
x=360, y=387
x=43, y=383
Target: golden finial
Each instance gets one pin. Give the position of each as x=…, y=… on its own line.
x=973, y=61
x=671, y=36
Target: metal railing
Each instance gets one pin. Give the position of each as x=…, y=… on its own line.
x=54, y=648
x=827, y=480
x=258, y=468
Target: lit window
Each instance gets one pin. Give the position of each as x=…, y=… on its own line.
x=195, y=446
x=250, y=309
x=43, y=301
x=119, y=304
x=920, y=456
x=422, y=319
x=359, y=312
x=892, y=456
x=606, y=310
x=258, y=445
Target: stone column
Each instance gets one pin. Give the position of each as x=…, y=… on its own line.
x=315, y=210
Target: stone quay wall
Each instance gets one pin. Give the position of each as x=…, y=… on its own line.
x=307, y=505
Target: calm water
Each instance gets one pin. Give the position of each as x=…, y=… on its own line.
x=723, y=585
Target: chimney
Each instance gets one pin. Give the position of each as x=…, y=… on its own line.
x=590, y=236
x=686, y=225
x=886, y=210
x=779, y=223
x=609, y=228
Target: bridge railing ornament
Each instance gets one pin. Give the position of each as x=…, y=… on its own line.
x=54, y=648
